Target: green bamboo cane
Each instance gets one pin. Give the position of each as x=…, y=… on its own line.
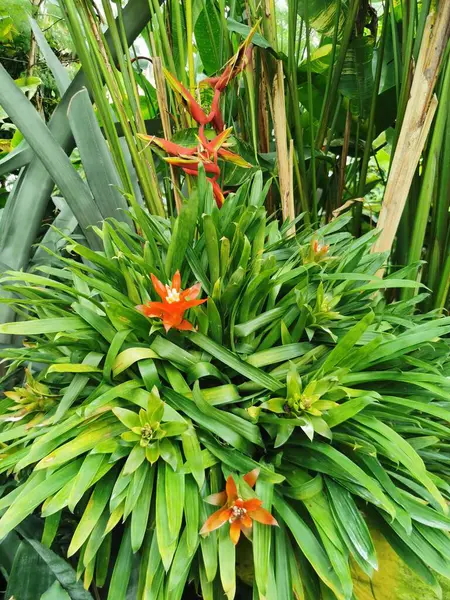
x=370, y=127
x=430, y=172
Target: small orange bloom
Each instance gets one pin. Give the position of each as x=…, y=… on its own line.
x=319, y=248
x=174, y=303
x=238, y=512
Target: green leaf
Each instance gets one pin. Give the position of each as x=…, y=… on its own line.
x=84, y=478
x=212, y=248
x=129, y=418
x=356, y=82
x=141, y=511
x=262, y=535
x=257, y=39
x=60, y=74
x=73, y=368
x=38, y=326
x=74, y=190
x=237, y=461
x=79, y=445
x=346, y=466
x=55, y=592
x=181, y=562
x=193, y=454
x=192, y=514
x=122, y=569
x=351, y=521
x=208, y=32
x=227, y=562
x=25, y=504
x=101, y=174
x=174, y=483
x=340, y=352
x=167, y=543
x=182, y=234
x=309, y=545
x=52, y=564
x=130, y=356
x=219, y=427
x=134, y=460
x=232, y=360
x=92, y=513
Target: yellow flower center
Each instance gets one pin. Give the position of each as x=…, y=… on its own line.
x=172, y=295
x=237, y=513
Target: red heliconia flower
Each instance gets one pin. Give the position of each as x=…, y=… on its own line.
x=219, y=195
x=238, y=512
x=192, y=106
x=174, y=303
x=168, y=146
x=235, y=65
x=207, y=152
x=190, y=165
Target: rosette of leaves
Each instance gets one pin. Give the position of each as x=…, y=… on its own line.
x=299, y=408
x=148, y=436
x=378, y=375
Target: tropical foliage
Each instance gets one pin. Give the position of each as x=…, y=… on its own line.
x=297, y=370
x=210, y=388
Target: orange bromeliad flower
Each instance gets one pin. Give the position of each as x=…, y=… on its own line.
x=174, y=303
x=238, y=512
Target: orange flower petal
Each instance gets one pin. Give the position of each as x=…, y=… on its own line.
x=251, y=477
x=218, y=499
x=191, y=293
x=184, y=326
x=235, y=531
x=176, y=281
x=160, y=289
x=252, y=504
x=246, y=521
x=263, y=516
x=231, y=489
x=216, y=520
x=192, y=303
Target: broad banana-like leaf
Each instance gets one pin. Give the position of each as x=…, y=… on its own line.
x=321, y=14
x=356, y=81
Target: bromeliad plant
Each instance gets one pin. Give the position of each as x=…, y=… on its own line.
x=290, y=366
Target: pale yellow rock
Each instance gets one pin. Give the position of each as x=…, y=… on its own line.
x=394, y=580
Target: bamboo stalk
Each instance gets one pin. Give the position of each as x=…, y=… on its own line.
x=416, y=125
x=343, y=158
x=279, y=125
x=164, y=112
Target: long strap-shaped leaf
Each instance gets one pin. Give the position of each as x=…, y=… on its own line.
x=52, y=156
x=26, y=205
x=101, y=173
